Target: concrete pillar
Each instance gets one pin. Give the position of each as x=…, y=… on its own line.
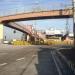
x=74, y=20
x=1, y=33
x=28, y=38
x=74, y=24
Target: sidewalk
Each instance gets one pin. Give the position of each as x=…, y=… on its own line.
x=69, y=56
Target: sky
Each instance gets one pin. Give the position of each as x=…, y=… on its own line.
x=13, y=6
x=9, y=7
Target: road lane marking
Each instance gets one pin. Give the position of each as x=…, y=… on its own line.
x=58, y=69
x=34, y=55
x=3, y=64
x=27, y=65
x=19, y=59
x=58, y=48
x=63, y=48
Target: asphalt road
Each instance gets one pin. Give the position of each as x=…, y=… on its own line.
x=31, y=60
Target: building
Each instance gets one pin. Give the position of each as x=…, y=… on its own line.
x=54, y=34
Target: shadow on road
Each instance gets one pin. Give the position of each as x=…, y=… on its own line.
x=45, y=64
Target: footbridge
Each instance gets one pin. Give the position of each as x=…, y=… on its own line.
x=17, y=27
x=52, y=14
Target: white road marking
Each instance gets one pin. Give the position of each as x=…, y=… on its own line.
x=3, y=64
x=58, y=69
x=19, y=59
x=63, y=48
x=34, y=55
x=57, y=48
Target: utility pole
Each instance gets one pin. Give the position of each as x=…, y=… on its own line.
x=73, y=4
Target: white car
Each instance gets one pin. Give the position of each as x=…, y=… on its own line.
x=6, y=42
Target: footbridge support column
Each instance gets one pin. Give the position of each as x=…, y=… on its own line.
x=73, y=2
x=27, y=38
x=1, y=33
